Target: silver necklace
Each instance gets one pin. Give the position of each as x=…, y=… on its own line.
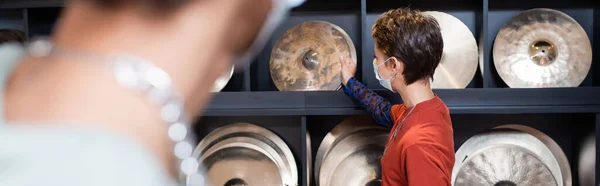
x=393, y=137
x=141, y=75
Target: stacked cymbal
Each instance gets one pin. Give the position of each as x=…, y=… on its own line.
x=511, y=155
x=246, y=154
x=542, y=48
x=350, y=154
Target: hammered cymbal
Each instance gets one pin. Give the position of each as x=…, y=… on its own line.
x=246, y=154
x=460, y=55
x=504, y=165
x=510, y=155
x=222, y=80
x=307, y=57
x=350, y=154
x=559, y=156
x=542, y=48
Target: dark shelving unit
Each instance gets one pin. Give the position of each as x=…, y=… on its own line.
x=565, y=114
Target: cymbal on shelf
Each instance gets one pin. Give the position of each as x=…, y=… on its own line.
x=542, y=48
x=460, y=55
x=306, y=57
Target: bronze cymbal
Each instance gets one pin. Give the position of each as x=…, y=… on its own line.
x=511, y=155
x=222, y=80
x=307, y=57
x=459, y=59
x=246, y=154
x=542, y=48
x=350, y=154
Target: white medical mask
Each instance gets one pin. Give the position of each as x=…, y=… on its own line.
x=386, y=83
x=277, y=14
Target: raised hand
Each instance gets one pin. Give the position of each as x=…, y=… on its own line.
x=348, y=69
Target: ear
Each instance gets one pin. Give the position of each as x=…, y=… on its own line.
x=398, y=65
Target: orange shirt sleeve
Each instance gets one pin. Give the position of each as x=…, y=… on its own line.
x=423, y=166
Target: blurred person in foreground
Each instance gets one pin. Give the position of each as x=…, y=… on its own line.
x=420, y=147
x=68, y=121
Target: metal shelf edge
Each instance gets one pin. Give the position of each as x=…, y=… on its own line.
x=358, y=111
x=463, y=101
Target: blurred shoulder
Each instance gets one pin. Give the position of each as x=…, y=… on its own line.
x=69, y=157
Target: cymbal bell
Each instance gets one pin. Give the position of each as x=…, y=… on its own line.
x=460, y=55
x=306, y=57
x=542, y=48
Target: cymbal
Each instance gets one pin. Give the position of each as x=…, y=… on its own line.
x=488, y=168
x=222, y=80
x=459, y=59
x=306, y=57
x=246, y=154
x=511, y=155
x=542, y=48
x=350, y=154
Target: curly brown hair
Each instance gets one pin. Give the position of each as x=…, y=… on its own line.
x=413, y=38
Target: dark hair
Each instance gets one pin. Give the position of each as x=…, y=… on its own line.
x=412, y=37
x=10, y=35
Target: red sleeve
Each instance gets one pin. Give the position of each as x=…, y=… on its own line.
x=423, y=167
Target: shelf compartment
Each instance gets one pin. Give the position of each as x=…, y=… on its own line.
x=288, y=128
x=329, y=6
x=472, y=18
x=500, y=12
x=567, y=130
x=236, y=83
x=260, y=74
x=319, y=127
x=13, y=19
x=42, y=21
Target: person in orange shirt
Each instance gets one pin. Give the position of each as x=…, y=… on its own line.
x=420, y=147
